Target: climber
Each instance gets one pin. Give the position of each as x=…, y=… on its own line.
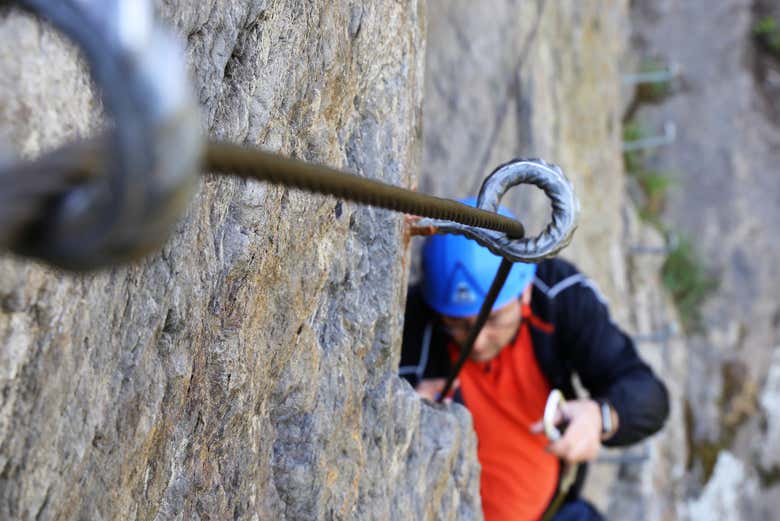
x=548, y=324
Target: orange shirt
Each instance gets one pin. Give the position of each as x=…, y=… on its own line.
x=505, y=396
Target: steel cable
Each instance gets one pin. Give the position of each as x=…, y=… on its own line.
x=27, y=187
x=267, y=166
x=41, y=184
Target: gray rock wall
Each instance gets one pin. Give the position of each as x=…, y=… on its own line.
x=724, y=160
x=246, y=371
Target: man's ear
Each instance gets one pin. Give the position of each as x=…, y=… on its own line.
x=527, y=294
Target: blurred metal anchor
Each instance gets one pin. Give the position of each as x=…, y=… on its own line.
x=131, y=188
x=670, y=73
x=667, y=138
x=671, y=241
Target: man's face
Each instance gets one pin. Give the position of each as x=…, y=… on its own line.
x=500, y=328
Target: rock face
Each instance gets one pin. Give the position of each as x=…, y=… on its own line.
x=730, y=494
x=724, y=159
x=246, y=371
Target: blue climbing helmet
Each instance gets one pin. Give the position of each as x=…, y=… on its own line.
x=457, y=273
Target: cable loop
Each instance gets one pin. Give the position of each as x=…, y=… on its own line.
x=556, y=235
x=143, y=173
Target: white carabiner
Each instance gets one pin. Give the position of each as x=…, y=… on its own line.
x=554, y=401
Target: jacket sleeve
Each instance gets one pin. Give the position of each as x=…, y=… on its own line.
x=609, y=367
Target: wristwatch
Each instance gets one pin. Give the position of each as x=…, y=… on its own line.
x=607, y=425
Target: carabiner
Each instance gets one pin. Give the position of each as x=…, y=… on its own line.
x=148, y=172
x=554, y=402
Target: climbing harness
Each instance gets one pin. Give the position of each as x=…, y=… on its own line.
x=568, y=472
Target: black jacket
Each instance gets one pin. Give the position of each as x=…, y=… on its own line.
x=584, y=342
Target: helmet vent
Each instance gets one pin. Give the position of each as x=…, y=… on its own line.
x=463, y=294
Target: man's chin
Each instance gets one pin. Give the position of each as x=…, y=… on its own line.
x=482, y=358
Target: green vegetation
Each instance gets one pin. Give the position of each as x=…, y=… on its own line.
x=684, y=274
x=653, y=91
x=633, y=131
x=703, y=454
x=765, y=25
x=767, y=33
x=689, y=283
x=654, y=184
x=769, y=476
x=737, y=403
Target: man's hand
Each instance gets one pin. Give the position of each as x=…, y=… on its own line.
x=430, y=388
x=582, y=438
